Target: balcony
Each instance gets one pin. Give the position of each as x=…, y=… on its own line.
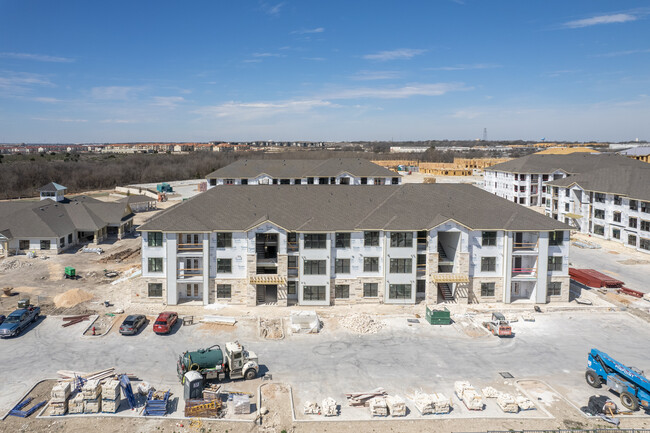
x=421, y=270
x=524, y=273
x=292, y=247
x=190, y=274
x=190, y=248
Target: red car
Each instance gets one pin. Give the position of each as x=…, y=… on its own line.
x=165, y=322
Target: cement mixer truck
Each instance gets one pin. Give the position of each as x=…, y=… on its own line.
x=214, y=363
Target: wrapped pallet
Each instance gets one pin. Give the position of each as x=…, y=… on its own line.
x=423, y=403
x=60, y=392
x=241, y=404
x=58, y=407
x=460, y=386
x=396, y=405
x=441, y=404
x=110, y=406
x=311, y=408
x=330, y=407
x=524, y=403
x=378, y=406
x=92, y=406
x=111, y=390
x=507, y=403
x=76, y=404
x=468, y=395
x=92, y=390
x=490, y=392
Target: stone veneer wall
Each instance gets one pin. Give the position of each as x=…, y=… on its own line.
x=566, y=288
x=238, y=291
x=431, y=293
x=140, y=291
x=475, y=289
x=356, y=290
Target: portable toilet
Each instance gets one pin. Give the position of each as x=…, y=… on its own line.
x=193, y=385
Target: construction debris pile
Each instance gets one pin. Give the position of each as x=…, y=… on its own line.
x=435, y=403
x=10, y=265
x=306, y=322
x=71, y=298
x=271, y=329
x=468, y=395
x=362, y=324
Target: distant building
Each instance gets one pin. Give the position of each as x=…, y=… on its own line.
x=53, y=191
x=640, y=153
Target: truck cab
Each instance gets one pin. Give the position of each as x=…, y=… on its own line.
x=241, y=363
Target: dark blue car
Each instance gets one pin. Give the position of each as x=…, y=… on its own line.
x=17, y=321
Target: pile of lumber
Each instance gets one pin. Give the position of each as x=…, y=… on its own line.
x=396, y=405
x=363, y=398
x=73, y=320
x=70, y=375
x=435, y=403
x=468, y=395
x=330, y=407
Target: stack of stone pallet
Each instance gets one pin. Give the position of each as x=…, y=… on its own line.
x=76, y=404
x=59, y=398
x=330, y=407
x=524, y=403
x=396, y=405
x=507, y=403
x=92, y=392
x=468, y=395
x=378, y=406
x=435, y=403
x=111, y=396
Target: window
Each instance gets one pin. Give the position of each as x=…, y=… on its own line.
x=342, y=240
x=371, y=239
x=229, y=181
x=62, y=241
x=188, y=290
x=489, y=239
x=333, y=180
x=645, y=207
x=634, y=205
x=399, y=291
x=310, y=181
x=566, y=207
x=599, y=214
x=401, y=239
x=555, y=263
x=224, y=240
x=420, y=286
x=285, y=181
x=379, y=181
x=617, y=200
x=544, y=177
x=244, y=181
x=644, y=244
x=322, y=180
x=154, y=290
x=155, y=264
x=616, y=233
x=224, y=266
x=315, y=267
x=275, y=181
x=292, y=287
x=371, y=264
x=554, y=288
x=370, y=290
x=555, y=238
x=488, y=264
x=342, y=266
x=297, y=181
x=395, y=181
x=315, y=241
x=631, y=222
x=645, y=226
x=599, y=197
x=599, y=230
x=631, y=240
x=292, y=266
x=23, y=244
x=364, y=181
x=155, y=239
x=224, y=291
x=567, y=192
x=313, y=293
x=617, y=217
x=401, y=266
x=487, y=290
x=70, y=238
x=341, y=291
x=45, y=245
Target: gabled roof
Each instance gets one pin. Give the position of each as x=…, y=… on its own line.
x=300, y=168
x=631, y=182
x=331, y=207
x=52, y=187
x=132, y=199
x=572, y=163
x=636, y=151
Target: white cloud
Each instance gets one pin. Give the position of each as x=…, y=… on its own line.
x=375, y=75
x=168, y=101
x=601, y=19
x=249, y=110
x=308, y=31
x=21, y=82
x=36, y=57
x=464, y=67
x=624, y=53
x=402, y=53
x=114, y=92
x=271, y=9
x=47, y=100
x=315, y=59
x=435, y=89
x=64, y=120
x=119, y=121
x=268, y=55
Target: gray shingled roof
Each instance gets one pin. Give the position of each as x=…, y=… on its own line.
x=630, y=182
x=300, y=168
x=131, y=199
x=636, y=151
x=571, y=163
x=47, y=218
x=52, y=187
x=332, y=207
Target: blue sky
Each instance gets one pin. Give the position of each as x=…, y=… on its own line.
x=86, y=71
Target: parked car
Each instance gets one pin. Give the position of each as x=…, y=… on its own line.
x=132, y=324
x=165, y=322
x=18, y=321
x=2, y=318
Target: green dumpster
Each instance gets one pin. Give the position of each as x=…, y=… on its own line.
x=438, y=316
x=70, y=272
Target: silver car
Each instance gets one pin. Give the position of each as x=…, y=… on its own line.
x=132, y=324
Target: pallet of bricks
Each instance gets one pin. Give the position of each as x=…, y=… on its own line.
x=59, y=398
x=111, y=396
x=92, y=392
x=378, y=402
x=78, y=393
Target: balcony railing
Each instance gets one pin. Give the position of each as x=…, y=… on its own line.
x=292, y=247
x=185, y=248
x=190, y=273
x=524, y=272
x=292, y=271
x=421, y=270
x=524, y=246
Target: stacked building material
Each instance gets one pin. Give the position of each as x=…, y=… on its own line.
x=241, y=404
x=378, y=406
x=363, y=398
x=76, y=404
x=468, y=395
x=211, y=391
x=330, y=407
x=18, y=409
x=111, y=396
x=73, y=320
x=490, y=392
x=92, y=392
x=59, y=398
x=524, y=403
x=70, y=375
x=435, y=403
x=396, y=405
x=203, y=408
x=507, y=403
x=441, y=404
x=156, y=404
x=311, y=408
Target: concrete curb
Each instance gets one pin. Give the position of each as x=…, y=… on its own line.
x=25, y=395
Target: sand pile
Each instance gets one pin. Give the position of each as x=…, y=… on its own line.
x=71, y=298
x=361, y=323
